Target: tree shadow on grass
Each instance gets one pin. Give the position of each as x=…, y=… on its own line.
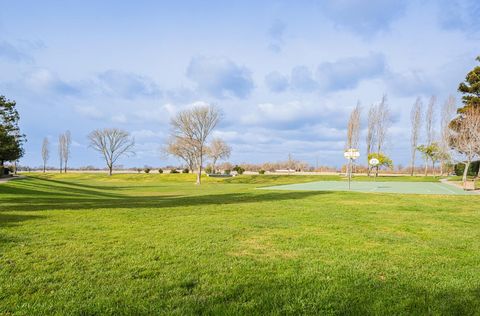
x=47, y=194
x=9, y=220
x=355, y=294
x=169, y=201
x=53, y=188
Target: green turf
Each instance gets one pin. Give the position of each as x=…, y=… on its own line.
x=383, y=187
x=158, y=244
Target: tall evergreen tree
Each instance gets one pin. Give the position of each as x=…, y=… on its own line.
x=11, y=140
x=470, y=89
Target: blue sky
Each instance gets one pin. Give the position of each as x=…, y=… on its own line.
x=285, y=74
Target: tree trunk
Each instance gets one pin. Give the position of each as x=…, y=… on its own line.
x=413, y=164
x=44, y=167
x=110, y=168
x=213, y=165
x=433, y=168
x=426, y=167
x=65, y=166
x=465, y=172
x=199, y=174
x=1, y=168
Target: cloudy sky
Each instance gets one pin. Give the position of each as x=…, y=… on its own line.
x=285, y=74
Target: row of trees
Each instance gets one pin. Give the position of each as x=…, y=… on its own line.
x=111, y=143
x=436, y=146
x=456, y=141
x=190, y=132
x=378, y=123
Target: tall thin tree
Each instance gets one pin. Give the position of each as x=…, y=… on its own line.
x=382, y=124
x=67, y=141
x=371, y=133
x=416, y=121
x=448, y=112
x=61, y=147
x=429, y=126
x=45, y=153
x=353, y=128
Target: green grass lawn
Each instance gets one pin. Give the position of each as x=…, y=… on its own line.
x=158, y=244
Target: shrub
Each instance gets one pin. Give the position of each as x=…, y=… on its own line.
x=186, y=170
x=227, y=171
x=174, y=170
x=238, y=169
x=139, y=170
x=146, y=170
x=261, y=171
x=472, y=170
x=208, y=169
x=160, y=170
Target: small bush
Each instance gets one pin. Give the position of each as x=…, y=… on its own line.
x=139, y=170
x=238, y=169
x=146, y=170
x=261, y=171
x=174, y=171
x=186, y=170
x=227, y=171
x=472, y=170
x=160, y=170
x=208, y=169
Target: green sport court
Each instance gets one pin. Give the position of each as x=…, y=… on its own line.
x=378, y=187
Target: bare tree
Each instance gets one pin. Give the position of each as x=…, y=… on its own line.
x=45, y=153
x=465, y=137
x=61, y=147
x=416, y=120
x=353, y=128
x=218, y=149
x=181, y=148
x=194, y=126
x=380, y=121
x=448, y=112
x=112, y=143
x=429, y=127
x=67, y=141
x=371, y=132
x=383, y=123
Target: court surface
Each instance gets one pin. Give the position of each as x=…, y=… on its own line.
x=379, y=187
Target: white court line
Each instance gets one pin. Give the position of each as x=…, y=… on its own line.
x=451, y=191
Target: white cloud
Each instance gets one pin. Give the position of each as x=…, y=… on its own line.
x=146, y=134
x=220, y=77
x=89, y=112
x=119, y=118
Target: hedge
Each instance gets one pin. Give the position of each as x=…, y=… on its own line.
x=472, y=170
